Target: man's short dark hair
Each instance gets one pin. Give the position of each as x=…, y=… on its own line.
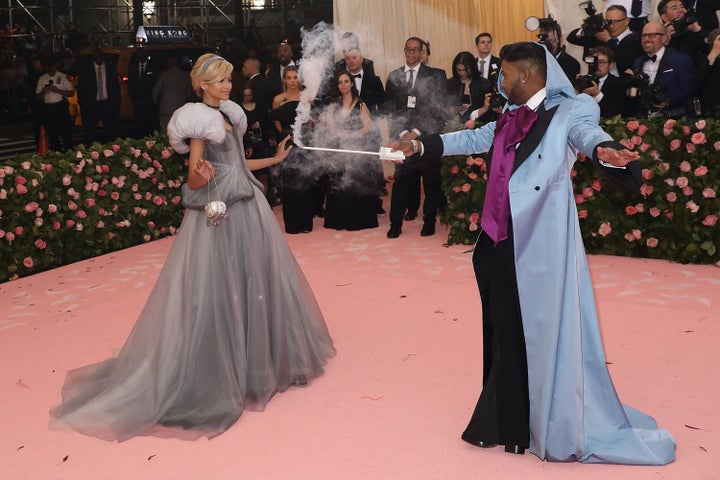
x=619, y=8
x=603, y=50
x=483, y=34
x=530, y=52
x=662, y=6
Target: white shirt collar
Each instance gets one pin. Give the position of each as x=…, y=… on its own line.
x=536, y=100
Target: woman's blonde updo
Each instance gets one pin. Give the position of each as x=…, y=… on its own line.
x=209, y=68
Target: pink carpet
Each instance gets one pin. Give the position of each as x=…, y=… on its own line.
x=405, y=317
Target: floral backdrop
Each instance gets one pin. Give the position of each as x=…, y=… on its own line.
x=674, y=217
x=61, y=208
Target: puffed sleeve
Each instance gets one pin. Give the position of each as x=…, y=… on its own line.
x=195, y=120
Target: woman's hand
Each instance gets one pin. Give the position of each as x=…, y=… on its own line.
x=204, y=169
x=282, y=152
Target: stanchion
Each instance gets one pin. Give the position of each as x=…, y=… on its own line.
x=43, y=141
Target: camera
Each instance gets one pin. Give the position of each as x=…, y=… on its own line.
x=595, y=22
x=650, y=96
x=682, y=23
x=497, y=101
x=544, y=24
x=584, y=82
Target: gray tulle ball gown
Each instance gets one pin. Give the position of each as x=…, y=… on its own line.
x=230, y=321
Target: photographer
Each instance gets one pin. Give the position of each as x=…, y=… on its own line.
x=52, y=90
x=684, y=31
x=607, y=89
x=615, y=34
x=707, y=77
x=551, y=36
x=668, y=75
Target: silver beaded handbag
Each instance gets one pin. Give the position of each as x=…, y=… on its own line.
x=215, y=210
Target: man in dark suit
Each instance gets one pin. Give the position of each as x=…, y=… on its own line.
x=141, y=80
x=683, y=34
x=617, y=35
x=413, y=105
x=99, y=98
x=368, y=84
x=551, y=36
x=488, y=64
x=258, y=83
x=607, y=89
x=275, y=75
x=670, y=71
x=348, y=43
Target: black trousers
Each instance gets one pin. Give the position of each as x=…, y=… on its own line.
x=405, y=173
x=94, y=112
x=502, y=414
x=56, y=119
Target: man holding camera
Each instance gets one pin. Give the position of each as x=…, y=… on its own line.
x=684, y=31
x=669, y=75
x=615, y=34
x=607, y=89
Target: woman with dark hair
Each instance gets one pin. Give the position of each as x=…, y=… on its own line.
x=351, y=199
x=466, y=88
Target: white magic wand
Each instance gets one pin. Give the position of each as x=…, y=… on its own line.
x=385, y=153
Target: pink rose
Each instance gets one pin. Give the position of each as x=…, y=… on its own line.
x=637, y=234
x=644, y=147
x=39, y=243
x=687, y=191
x=669, y=214
x=675, y=144
x=579, y=199
x=165, y=153
x=627, y=144
x=460, y=215
x=469, y=161
x=689, y=147
x=454, y=169
x=66, y=180
x=31, y=207
x=636, y=139
x=101, y=192
x=646, y=189
x=474, y=217
x=146, y=238
x=698, y=138
x=115, y=196
x=708, y=193
x=25, y=165
x=176, y=199
x=685, y=166
x=682, y=182
x=21, y=189
x=686, y=130
x=81, y=214
x=671, y=196
x=69, y=223
x=473, y=227
x=100, y=224
x=582, y=214
x=596, y=185
x=605, y=229
x=700, y=124
x=642, y=130
x=630, y=210
x=629, y=237
x=652, y=242
x=72, y=205
x=470, y=124
x=716, y=145
x=151, y=225
x=709, y=221
x=9, y=236
x=56, y=225
x=116, y=148
x=654, y=212
x=466, y=187
x=692, y=206
x=52, y=208
x=640, y=207
x=149, y=144
x=94, y=155
x=28, y=262
x=19, y=230
x=105, y=168
x=587, y=192
x=471, y=176
x=670, y=124
x=700, y=171
x=632, y=125
x=89, y=202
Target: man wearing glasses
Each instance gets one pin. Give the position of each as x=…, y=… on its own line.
x=607, y=89
x=670, y=71
x=414, y=106
x=616, y=35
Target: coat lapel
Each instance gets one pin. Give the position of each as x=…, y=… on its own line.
x=530, y=143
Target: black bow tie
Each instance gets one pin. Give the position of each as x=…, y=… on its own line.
x=651, y=58
x=357, y=75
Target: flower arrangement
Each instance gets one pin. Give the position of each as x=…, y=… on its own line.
x=674, y=217
x=61, y=208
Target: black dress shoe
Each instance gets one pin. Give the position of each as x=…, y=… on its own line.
x=479, y=443
x=410, y=215
x=394, y=232
x=515, y=449
x=427, y=230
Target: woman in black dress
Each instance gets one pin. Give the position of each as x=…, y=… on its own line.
x=351, y=200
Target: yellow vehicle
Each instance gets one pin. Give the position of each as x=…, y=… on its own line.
x=122, y=58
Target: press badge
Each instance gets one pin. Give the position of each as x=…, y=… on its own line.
x=412, y=100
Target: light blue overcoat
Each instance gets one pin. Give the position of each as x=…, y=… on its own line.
x=575, y=412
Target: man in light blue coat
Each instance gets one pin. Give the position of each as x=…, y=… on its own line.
x=546, y=386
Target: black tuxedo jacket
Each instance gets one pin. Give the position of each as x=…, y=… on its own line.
x=372, y=91
x=493, y=70
x=429, y=114
x=262, y=93
x=614, y=98
x=368, y=66
x=674, y=77
x=478, y=88
x=87, y=83
x=140, y=86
